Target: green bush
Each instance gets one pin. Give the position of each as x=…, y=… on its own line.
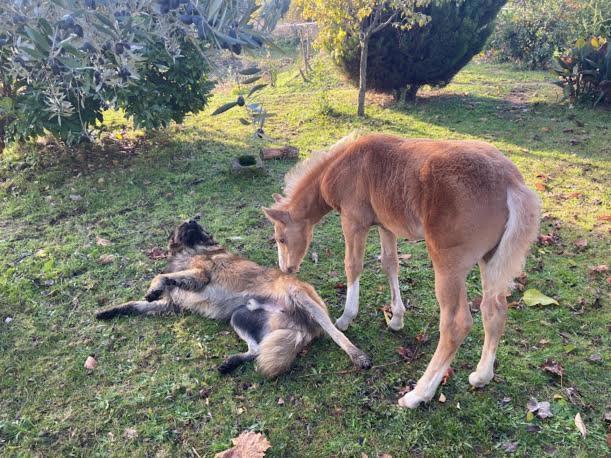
x=584, y=71
x=529, y=32
x=63, y=62
x=429, y=54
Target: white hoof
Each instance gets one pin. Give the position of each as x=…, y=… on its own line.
x=411, y=400
x=396, y=323
x=479, y=380
x=342, y=323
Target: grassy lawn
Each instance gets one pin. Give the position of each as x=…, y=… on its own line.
x=156, y=390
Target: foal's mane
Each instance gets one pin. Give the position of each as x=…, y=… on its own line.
x=302, y=169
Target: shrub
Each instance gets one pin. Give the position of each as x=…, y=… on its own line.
x=528, y=32
x=428, y=54
x=63, y=62
x=584, y=71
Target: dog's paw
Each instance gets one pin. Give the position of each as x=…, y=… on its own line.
x=106, y=314
x=361, y=360
x=153, y=294
x=411, y=400
x=228, y=366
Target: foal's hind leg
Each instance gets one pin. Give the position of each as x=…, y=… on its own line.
x=454, y=325
x=494, y=315
x=390, y=264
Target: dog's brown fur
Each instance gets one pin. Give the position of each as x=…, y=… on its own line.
x=464, y=198
x=275, y=313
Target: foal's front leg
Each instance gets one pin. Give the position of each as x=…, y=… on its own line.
x=390, y=265
x=190, y=280
x=355, y=236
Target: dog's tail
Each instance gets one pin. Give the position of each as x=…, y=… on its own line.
x=278, y=350
x=521, y=230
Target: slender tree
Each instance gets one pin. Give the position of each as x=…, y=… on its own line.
x=338, y=19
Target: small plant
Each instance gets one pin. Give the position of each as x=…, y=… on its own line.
x=584, y=71
x=245, y=80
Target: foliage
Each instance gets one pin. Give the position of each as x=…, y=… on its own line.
x=429, y=54
x=62, y=62
x=156, y=391
x=528, y=32
x=584, y=71
x=245, y=80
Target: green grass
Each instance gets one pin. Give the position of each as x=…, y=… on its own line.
x=158, y=375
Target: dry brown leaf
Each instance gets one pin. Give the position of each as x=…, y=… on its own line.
x=599, y=269
x=102, y=241
x=130, y=433
x=247, y=445
x=442, y=398
x=406, y=353
x=581, y=426
x=404, y=257
x=156, y=253
x=422, y=337
x=553, y=367
x=448, y=375
x=90, y=363
x=606, y=218
x=540, y=187
x=581, y=243
x=385, y=455
x=106, y=259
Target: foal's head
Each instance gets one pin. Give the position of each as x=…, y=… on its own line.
x=293, y=235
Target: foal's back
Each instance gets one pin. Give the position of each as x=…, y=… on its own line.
x=415, y=186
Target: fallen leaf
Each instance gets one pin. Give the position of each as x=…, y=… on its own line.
x=533, y=297
x=599, y=269
x=404, y=257
x=442, y=398
x=387, y=312
x=406, y=353
x=606, y=218
x=156, y=253
x=548, y=239
x=447, y=376
x=247, y=445
x=532, y=405
x=595, y=358
x=280, y=402
x=90, y=363
x=581, y=243
x=75, y=197
x=573, y=395
x=510, y=447
x=553, y=367
x=385, y=455
x=505, y=401
x=102, y=241
x=106, y=259
x=543, y=342
x=422, y=337
x=530, y=428
x=314, y=257
x=581, y=426
x=130, y=433
x=544, y=410
x=540, y=187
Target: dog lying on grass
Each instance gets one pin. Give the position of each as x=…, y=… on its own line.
x=276, y=314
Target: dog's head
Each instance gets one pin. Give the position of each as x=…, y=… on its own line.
x=189, y=235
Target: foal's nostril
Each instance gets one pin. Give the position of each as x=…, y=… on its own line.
x=290, y=270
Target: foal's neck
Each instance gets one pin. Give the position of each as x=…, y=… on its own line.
x=307, y=201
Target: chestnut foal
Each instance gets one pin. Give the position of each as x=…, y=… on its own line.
x=467, y=201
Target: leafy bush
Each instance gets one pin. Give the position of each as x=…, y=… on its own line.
x=528, y=32
x=63, y=62
x=428, y=54
x=584, y=71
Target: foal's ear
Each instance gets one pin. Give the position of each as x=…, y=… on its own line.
x=275, y=215
x=277, y=197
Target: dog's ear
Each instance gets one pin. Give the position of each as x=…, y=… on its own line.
x=276, y=216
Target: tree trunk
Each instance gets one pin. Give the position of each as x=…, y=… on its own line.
x=363, y=76
x=410, y=93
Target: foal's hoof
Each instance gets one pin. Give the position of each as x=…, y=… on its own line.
x=342, y=323
x=411, y=400
x=479, y=380
x=361, y=360
x=396, y=323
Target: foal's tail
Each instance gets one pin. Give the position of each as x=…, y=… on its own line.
x=521, y=230
x=279, y=349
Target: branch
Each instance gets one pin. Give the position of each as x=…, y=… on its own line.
x=385, y=23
